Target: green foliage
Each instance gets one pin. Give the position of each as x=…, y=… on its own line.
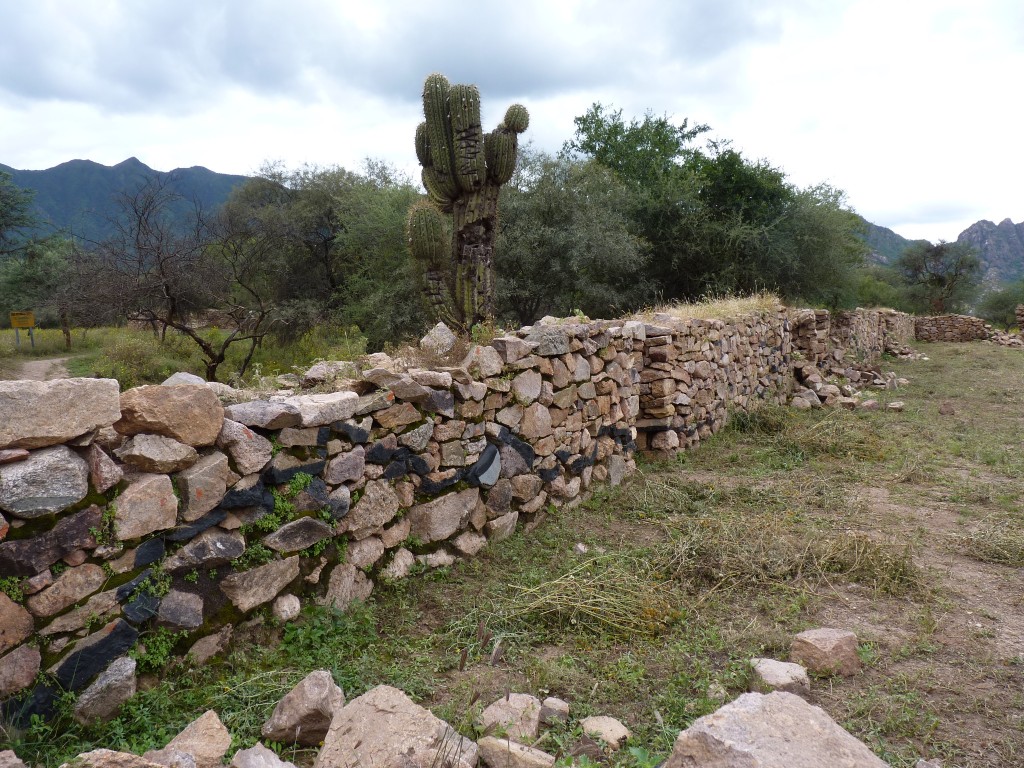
x=566, y=242
x=939, y=278
x=157, y=584
x=255, y=554
x=999, y=306
x=463, y=171
x=16, y=214
x=11, y=586
x=156, y=649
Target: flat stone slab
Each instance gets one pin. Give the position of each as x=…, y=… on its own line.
x=777, y=730
x=35, y=414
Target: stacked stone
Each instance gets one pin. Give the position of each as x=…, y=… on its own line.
x=1019, y=313
x=695, y=371
x=899, y=330
x=811, y=331
x=951, y=328
x=860, y=335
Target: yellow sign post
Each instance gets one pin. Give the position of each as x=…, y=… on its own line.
x=23, y=320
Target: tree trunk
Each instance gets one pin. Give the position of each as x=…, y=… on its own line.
x=65, y=327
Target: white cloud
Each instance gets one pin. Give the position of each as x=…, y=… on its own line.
x=908, y=106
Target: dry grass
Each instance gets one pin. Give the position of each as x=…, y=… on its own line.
x=745, y=548
x=615, y=595
x=992, y=541
x=716, y=307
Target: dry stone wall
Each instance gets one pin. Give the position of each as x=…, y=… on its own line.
x=951, y=328
x=189, y=506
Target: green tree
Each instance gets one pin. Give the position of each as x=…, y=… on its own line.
x=337, y=239
x=16, y=214
x=939, y=278
x=999, y=306
x=565, y=242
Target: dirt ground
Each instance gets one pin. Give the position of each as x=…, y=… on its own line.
x=42, y=370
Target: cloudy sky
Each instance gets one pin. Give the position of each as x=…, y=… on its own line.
x=911, y=106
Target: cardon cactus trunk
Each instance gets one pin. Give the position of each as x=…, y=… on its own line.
x=463, y=171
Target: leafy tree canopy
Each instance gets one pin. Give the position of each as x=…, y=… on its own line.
x=939, y=278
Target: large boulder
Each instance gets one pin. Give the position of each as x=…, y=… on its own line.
x=384, y=728
x=35, y=414
x=304, y=715
x=189, y=413
x=205, y=739
x=48, y=481
x=777, y=730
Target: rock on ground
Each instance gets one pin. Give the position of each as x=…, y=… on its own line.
x=517, y=715
x=777, y=730
x=205, y=738
x=771, y=675
x=384, y=728
x=304, y=715
x=503, y=753
x=607, y=729
x=826, y=651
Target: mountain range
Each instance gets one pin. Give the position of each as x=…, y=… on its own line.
x=80, y=197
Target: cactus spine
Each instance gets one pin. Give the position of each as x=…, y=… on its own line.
x=463, y=172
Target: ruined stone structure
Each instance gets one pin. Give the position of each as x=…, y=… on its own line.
x=189, y=506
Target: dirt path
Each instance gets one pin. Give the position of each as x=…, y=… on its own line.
x=43, y=370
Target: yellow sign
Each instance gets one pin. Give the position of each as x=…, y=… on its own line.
x=22, y=320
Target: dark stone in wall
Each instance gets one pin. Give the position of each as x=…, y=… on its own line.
x=27, y=557
x=274, y=476
x=190, y=531
x=100, y=648
x=142, y=608
x=149, y=552
x=418, y=465
x=355, y=434
x=247, y=497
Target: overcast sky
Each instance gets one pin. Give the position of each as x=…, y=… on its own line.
x=911, y=106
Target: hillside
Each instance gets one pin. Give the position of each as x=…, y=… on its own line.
x=79, y=196
x=1000, y=246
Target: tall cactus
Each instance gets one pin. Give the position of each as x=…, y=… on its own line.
x=463, y=171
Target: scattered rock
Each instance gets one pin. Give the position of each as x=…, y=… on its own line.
x=777, y=730
x=947, y=409
x=896, y=406
x=373, y=730
x=554, y=710
x=304, y=715
x=609, y=730
x=504, y=753
x=826, y=651
x=205, y=738
x=258, y=757
x=108, y=758
x=286, y=607
x=771, y=675
x=516, y=716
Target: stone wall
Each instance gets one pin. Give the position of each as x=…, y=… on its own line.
x=850, y=337
x=951, y=328
x=190, y=506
